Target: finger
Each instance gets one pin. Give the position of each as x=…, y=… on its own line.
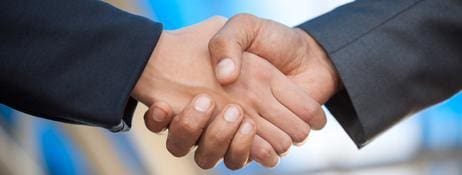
x=238, y=153
x=319, y=120
x=186, y=128
x=298, y=101
x=266, y=104
x=158, y=117
x=278, y=139
x=262, y=152
x=284, y=119
x=227, y=45
x=217, y=137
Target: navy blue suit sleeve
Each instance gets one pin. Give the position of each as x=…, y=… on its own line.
x=73, y=60
x=394, y=57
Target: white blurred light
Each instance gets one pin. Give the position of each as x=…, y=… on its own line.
x=292, y=12
x=332, y=148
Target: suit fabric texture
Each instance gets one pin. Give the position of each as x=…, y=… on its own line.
x=73, y=60
x=394, y=57
x=77, y=61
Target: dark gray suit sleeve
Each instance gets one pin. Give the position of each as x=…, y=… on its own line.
x=73, y=60
x=395, y=57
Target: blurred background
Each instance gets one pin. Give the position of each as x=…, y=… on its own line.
x=428, y=143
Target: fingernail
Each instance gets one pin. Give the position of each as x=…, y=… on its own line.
x=202, y=103
x=301, y=143
x=232, y=114
x=225, y=68
x=278, y=160
x=284, y=153
x=158, y=115
x=246, y=128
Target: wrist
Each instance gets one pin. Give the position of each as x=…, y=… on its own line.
x=325, y=60
x=145, y=86
x=330, y=78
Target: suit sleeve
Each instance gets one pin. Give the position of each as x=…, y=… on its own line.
x=73, y=60
x=394, y=57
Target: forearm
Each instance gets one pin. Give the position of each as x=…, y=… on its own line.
x=393, y=57
x=73, y=61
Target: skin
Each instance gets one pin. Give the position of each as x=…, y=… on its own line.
x=181, y=67
x=239, y=149
x=293, y=51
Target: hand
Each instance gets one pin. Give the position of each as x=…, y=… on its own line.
x=180, y=67
x=291, y=50
x=235, y=157
x=159, y=117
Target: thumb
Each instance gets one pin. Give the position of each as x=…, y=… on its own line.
x=228, y=44
x=158, y=117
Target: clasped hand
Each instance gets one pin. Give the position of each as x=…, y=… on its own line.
x=244, y=89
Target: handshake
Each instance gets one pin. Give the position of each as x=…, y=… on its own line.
x=243, y=89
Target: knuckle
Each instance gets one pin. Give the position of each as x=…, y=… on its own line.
x=323, y=122
x=259, y=74
x=310, y=111
x=217, y=43
x=216, y=138
x=174, y=149
x=283, y=146
x=155, y=128
x=251, y=97
x=273, y=164
x=233, y=165
x=219, y=18
x=233, y=159
x=239, y=150
x=245, y=20
x=319, y=121
x=243, y=16
x=187, y=127
x=203, y=162
x=300, y=134
x=264, y=153
x=149, y=124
